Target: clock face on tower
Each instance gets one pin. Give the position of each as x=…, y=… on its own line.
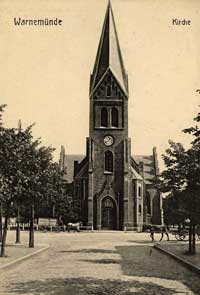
x=108, y=140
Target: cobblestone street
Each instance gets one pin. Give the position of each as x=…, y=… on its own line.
x=98, y=263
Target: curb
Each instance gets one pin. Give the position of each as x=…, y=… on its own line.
x=179, y=259
x=7, y=265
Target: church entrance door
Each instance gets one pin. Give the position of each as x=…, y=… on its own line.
x=108, y=214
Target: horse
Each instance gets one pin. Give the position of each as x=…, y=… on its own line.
x=74, y=226
x=161, y=229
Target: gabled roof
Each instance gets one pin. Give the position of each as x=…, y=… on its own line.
x=69, y=164
x=148, y=166
x=109, y=54
x=135, y=174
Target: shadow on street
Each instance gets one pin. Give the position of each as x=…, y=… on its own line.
x=90, y=251
x=146, y=261
x=87, y=286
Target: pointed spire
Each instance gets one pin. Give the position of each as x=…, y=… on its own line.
x=62, y=158
x=19, y=125
x=109, y=54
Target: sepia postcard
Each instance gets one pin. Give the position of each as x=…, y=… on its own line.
x=108, y=84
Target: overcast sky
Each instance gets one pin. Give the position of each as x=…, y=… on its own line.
x=45, y=71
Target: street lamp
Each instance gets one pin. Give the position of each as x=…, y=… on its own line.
x=18, y=226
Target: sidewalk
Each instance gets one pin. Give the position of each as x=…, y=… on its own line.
x=179, y=251
x=16, y=253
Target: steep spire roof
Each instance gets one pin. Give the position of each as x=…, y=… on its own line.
x=109, y=54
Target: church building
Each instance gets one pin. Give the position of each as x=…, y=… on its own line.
x=114, y=187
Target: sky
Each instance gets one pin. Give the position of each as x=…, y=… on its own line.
x=45, y=71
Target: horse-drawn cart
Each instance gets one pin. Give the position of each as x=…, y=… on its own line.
x=183, y=234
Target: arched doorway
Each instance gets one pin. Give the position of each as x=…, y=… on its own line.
x=108, y=218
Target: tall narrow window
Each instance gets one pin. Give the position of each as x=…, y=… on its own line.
x=108, y=90
x=104, y=117
x=148, y=203
x=115, y=117
x=139, y=191
x=108, y=161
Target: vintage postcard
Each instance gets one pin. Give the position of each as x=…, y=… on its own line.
x=109, y=86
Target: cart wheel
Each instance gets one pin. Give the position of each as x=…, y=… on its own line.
x=177, y=236
x=181, y=237
x=184, y=237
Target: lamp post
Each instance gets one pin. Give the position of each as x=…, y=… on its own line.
x=18, y=226
x=31, y=227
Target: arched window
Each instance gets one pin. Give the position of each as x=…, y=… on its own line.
x=140, y=209
x=139, y=191
x=108, y=203
x=108, y=161
x=115, y=117
x=108, y=90
x=148, y=203
x=104, y=117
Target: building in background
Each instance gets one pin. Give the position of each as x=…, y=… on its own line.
x=113, y=186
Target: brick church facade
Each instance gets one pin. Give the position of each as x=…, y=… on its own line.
x=114, y=188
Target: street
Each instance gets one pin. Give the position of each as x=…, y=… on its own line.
x=97, y=263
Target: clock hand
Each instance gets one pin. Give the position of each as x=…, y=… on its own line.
x=107, y=140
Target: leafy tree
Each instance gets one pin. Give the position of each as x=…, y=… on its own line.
x=38, y=162
x=195, y=131
x=68, y=207
x=24, y=165
x=10, y=176
x=1, y=124
x=181, y=179
x=60, y=196
x=172, y=215
x=192, y=200
x=2, y=107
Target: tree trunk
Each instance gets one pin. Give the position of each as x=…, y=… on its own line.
x=193, y=239
x=1, y=223
x=5, y=229
x=18, y=227
x=31, y=228
x=190, y=238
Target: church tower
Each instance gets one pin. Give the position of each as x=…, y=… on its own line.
x=112, y=189
x=110, y=205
